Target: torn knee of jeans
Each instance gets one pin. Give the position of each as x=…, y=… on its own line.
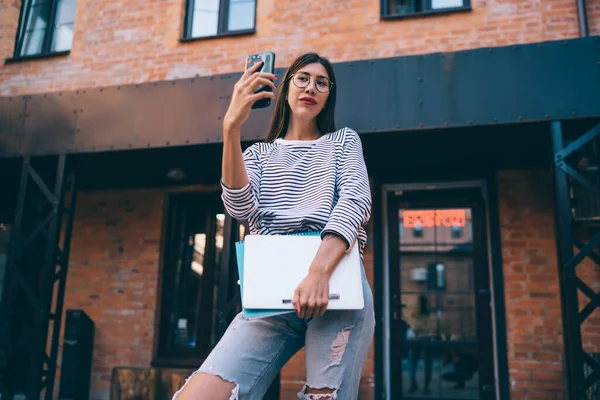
x=326, y=393
x=339, y=345
x=235, y=392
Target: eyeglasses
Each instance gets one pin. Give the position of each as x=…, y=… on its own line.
x=322, y=84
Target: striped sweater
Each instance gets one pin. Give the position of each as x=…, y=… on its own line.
x=305, y=185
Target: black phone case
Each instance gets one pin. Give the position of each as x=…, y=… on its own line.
x=268, y=59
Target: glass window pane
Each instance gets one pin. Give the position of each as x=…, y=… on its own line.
x=241, y=15
x=438, y=300
x=431, y=373
x=63, y=37
x=65, y=12
x=401, y=7
x=192, y=271
x=33, y=42
x=192, y=277
x=65, y=22
x=35, y=27
x=430, y=273
x=441, y=4
x=205, y=21
x=435, y=230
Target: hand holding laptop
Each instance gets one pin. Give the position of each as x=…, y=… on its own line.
x=311, y=297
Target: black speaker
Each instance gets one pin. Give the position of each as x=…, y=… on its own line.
x=78, y=346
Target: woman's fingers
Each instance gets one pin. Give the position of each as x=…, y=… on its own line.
x=322, y=305
x=303, y=306
x=311, y=297
x=321, y=310
x=261, y=95
x=254, y=83
x=296, y=301
x=313, y=307
x=266, y=82
x=252, y=69
x=266, y=75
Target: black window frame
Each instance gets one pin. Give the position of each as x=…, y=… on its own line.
x=222, y=30
x=48, y=34
x=427, y=10
x=164, y=354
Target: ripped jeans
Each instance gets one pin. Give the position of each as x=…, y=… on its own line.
x=252, y=352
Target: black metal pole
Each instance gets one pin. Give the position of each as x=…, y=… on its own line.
x=227, y=257
x=10, y=290
x=582, y=17
x=63, y=260
x=573, y=351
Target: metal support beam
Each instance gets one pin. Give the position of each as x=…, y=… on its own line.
x=401, y=94
x=582, y=18
x=32, y=304
x=227, y=299
x=565, y=176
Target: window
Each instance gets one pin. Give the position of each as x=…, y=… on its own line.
x=207, y=18
x=46, y=27
x=191, y=279
x=402, y=8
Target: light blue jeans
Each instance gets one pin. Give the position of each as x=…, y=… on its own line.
x=252, y=352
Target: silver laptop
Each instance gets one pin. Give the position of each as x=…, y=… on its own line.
x=274, y=265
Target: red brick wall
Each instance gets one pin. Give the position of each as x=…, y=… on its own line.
x=113, y=276
x=127, y=41
x=9, y=22
x=531, y=284
x=535, y=342
x=593, y=10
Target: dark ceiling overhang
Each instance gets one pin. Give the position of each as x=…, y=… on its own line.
x=487, y=86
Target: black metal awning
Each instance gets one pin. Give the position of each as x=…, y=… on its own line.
x=488, y=86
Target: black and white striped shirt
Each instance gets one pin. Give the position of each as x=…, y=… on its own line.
x=305, y=185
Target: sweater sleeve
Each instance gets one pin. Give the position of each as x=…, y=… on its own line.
x=242, y=203
x=353, y=208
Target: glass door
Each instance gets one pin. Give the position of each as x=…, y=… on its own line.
x=441, y=339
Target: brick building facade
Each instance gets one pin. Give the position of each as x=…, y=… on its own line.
x=120, y=42
x=117, y=256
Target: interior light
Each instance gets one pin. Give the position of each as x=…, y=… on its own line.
x=176, y=174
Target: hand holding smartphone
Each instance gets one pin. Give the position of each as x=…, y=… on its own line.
x=253, y=90
x=268, y=60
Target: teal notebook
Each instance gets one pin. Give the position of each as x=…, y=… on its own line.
x=251, y=313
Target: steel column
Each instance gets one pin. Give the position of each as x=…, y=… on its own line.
x=228, y=299
x=575, y=357
x=36, y=278
x=582, y=18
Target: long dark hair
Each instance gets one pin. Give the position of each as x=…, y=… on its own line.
x=281, y=114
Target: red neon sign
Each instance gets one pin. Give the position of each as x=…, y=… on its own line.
x=430, y=218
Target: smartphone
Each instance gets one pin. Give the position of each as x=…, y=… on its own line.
x=268, y=59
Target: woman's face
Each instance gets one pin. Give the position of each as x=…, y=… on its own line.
x=308, y=101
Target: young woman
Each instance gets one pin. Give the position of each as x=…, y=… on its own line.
x=306, y=177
